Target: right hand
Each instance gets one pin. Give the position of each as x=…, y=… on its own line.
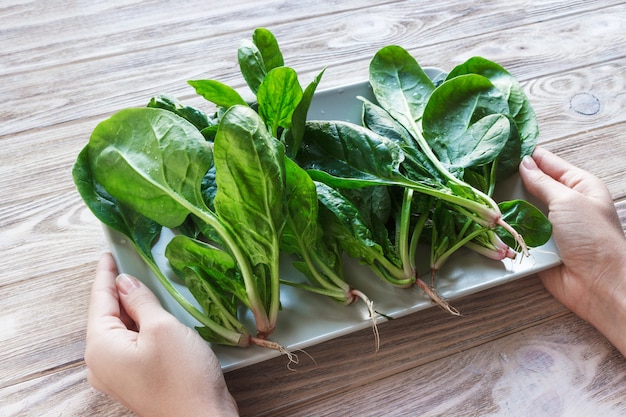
x=591, y=281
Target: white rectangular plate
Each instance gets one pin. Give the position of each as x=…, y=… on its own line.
x=307, y=319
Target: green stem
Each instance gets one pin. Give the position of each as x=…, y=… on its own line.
x=444, y=257
x=406, y=257
x=338, y=295
x=392, y=274
x=263, y=321
x=330, y=274
x=234, y=337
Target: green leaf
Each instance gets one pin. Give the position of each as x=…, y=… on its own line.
x=298, y=118
x=301, y=231
x=202, y=268
x=139, y=229
x=218, y=93
x=267, y=44
x=348, y=155
x=400, y=85
x=251, y=64
x=142, y=232
x=480, y=144
x=219, y=268
x=153, y=161
x=527, y=220
x=193, y=115
x=348, y=225
x=464, y=123
x=520, y=109
x=278, y=96
x=250, y=177
x=378, y=120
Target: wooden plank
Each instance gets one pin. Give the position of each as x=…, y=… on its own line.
x=406, y=343
x=554, y=369
x=39, y=35
x=128, y=80
x=62, y=393
x=44, y=35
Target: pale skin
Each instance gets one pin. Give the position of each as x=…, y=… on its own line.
x=587, y=230
x=143, y=357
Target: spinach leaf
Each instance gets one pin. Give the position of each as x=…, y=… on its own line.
x=519, y=107
x=218, y=93
x=267, y=44
x=463, y=122
x=294, y=135
x=193, y=115
x=528, y=220
x=318, y=255
x=210, y=275
x=278, y=96
x=345, y=221
x=151, y=160
x=346, y=155
x=141, y=232
x=259, y=56
x=250, y=177
x=251, y=64
x=400, y=85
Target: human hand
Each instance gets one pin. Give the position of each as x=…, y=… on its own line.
x=587, y=231
x=142, y=356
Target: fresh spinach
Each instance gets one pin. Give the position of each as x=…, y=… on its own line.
x=256, y=179
x=154, y=161
x=142, y=232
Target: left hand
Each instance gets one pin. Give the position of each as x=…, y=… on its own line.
x=145, y=358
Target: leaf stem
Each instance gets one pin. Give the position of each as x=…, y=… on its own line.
x=236, y=338
x=263, y=321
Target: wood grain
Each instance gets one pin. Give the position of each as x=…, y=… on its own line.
x=64, y=66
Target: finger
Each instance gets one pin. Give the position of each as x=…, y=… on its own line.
x=539, y=183
x=103, y=302
x=141, y=305
x=569, y=175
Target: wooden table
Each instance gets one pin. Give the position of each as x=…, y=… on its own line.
x=64, y=66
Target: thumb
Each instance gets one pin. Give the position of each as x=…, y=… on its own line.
x=138, y=301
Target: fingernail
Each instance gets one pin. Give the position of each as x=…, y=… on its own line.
x=529, y=162
x=126, y=283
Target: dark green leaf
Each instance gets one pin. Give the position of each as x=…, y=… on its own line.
x=298, y=118
x=193, y=115
x=218, y=267
x=251, y=64
x=348, y=155
x=139, y=229
x=520, y=109
x=250, y=176
x=400, y=85
x=153, y=161
x=527, y=220
x=462, y=121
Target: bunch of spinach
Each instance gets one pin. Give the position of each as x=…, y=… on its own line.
x=256, y=179
x=448, y=143
x=220, y=181
x=283, y=105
